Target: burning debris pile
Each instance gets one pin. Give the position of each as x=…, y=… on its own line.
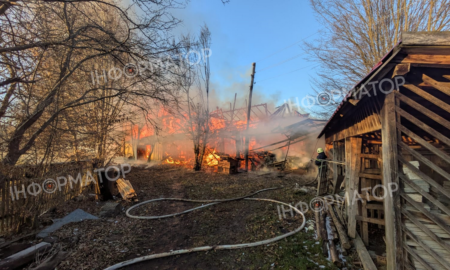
x=276, y=141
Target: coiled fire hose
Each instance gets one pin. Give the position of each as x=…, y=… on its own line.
x=206, y=248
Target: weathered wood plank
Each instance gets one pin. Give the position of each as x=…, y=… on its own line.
x=365, y=225
x=392, y=205
x=426, y=59
x=418, y=258
x=423, y=126
x=341, y=230
x=425, y=177
x=425, y=194
x=335, y=166
x=427, y=249
x=425, y=144
x=427, y=231
x=371, y=176
x=374, y=206
x=425, y=160
x=426, y=38
x=355, y=167
x=371, y=220
x=441, y=86
x=428, y=97
x=370, y=156
x=426, y=212
x=364, y=255
x=23, y=257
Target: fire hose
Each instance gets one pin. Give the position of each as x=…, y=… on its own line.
x=205, y=248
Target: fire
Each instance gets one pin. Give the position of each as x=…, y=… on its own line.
x=212, y=159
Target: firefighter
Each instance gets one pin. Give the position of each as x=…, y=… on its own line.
x=319, y=162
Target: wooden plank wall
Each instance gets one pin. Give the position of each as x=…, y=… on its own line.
x=424, y=160
x=362, y=121
x=14, y=213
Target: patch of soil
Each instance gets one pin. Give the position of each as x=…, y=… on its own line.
x=97, y=244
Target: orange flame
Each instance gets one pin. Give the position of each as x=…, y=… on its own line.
x=212, y=159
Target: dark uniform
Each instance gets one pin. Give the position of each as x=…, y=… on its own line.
x=322, y=165
x=320, y=157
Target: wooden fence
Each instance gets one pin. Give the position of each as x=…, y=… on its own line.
x=24, y=199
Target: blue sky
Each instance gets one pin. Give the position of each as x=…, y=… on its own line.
x=246, y=31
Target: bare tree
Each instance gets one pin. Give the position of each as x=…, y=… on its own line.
x=358, y=33
x=47, y=52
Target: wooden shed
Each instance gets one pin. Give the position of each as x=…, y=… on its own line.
x=393, y=129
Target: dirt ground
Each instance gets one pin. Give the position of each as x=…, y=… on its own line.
x=97, y=244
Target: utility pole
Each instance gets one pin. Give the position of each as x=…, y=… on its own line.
x=247, y=136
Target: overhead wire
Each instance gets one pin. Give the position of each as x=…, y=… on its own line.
x=264, y=58
x=279, y=63
x=288, y=73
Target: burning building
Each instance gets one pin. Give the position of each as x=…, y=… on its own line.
x=272, y=136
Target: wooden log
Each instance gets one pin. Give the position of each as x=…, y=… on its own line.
x=323, y=232
x=52, y=262
x=364, y=255
x=318, y=228
x=21, y=258
x=345, y=243
x=331, y=234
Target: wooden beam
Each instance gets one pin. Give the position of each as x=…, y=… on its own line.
x=418, y=258
x=375, y=206
x=425, y=177
x=424, y=126
x=373, y=156
x=446, y=76
x=427, y=213
x=426, y=38
x=335, y=166
x=439, y=119
x=371, y=176
x=428, y=97
x=441, y=86
x=354, y=169
x=401, y=69
x=425, y=160
x=427, y=231
x=23, y=257
x=392, y=204
x=364, y=255
x=341, y=230
x=426, y=59
x=425, y=144
x=425, y=194
x=371, y=220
